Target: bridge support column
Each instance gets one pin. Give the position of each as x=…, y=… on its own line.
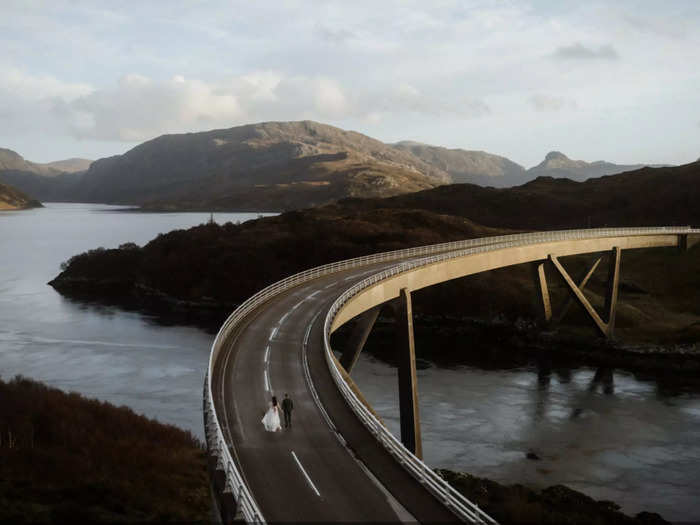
x=606, y=326
x=544, y=304
x=364, y=323
x=613, y=289
x=408, y=381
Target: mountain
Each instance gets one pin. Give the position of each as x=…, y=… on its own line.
x=12, y=199
x=54, y=181
x=13, y=161
x=71, y=165
x=474, y=167
x=272, y=165
x=645, y=197
x=556, y=164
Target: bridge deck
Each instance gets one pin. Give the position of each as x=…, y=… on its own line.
x=346, y=492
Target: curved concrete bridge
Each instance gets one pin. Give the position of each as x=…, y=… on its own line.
x=338, y=462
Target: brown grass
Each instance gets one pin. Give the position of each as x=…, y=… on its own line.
x=64, y=457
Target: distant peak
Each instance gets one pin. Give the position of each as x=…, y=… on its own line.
x=556, y=155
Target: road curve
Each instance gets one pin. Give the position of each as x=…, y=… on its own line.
x=309, y=473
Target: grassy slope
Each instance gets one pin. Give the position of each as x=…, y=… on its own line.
x=67, y=458
x=13, y=199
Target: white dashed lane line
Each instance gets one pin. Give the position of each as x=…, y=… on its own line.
x=311, y=483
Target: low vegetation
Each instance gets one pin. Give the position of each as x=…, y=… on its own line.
x=65, y=458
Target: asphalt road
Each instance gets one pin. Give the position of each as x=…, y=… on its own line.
x=306, y=473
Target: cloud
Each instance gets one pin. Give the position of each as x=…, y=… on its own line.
x=17, y=83
x=578, y=51
x=406, y=97
x=138, y=107
x=549, y=103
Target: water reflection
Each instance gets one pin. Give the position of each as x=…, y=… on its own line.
x=601, y=431
x=602, y=381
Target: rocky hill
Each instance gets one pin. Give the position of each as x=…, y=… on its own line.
x=273, y=165
x=474, y=167
x=12, y=199
x=558, y=165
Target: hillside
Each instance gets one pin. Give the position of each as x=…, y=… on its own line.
x=473, y=167
x=271, y=165
x=13, y=161
x=558, y=165
x=67, y=459
x=71, y=165
x=12, y=199
x=645, y=197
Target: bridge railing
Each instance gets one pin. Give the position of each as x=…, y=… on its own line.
x=225, y=452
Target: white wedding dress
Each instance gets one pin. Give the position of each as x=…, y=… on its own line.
x=271, y=420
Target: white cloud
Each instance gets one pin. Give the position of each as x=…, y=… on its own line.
x=18, y=84
x=138, y=107
x=547, y=103
x=578, y=51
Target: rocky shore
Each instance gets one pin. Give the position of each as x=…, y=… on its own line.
x=517, y=504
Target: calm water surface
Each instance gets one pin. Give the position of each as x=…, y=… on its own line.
x=618, y=439
x=122, y=357
x=615, y=439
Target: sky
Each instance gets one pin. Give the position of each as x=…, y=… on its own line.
x=614, y=80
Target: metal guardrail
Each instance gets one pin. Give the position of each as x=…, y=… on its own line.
x=217, y=445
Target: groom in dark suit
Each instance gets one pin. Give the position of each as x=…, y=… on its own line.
x=287, y=407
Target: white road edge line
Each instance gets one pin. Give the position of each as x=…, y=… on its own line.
x=305, y=474
x=312, y=295
x=283, y=318
x=267, y=354
x=274, y=332
x=268, y=386
x=403, y=514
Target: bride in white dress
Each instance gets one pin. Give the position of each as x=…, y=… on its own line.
x=271, y=420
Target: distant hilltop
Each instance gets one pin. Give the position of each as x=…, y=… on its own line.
x=274, y=166
x=558, y=165
x=13, y=161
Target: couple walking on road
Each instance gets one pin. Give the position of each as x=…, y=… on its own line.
x=271, y=420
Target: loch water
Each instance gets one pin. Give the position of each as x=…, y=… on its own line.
x=610, y=435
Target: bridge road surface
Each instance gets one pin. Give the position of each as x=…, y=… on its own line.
x=305, y=473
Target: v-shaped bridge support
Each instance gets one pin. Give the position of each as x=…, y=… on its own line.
x=606, y=324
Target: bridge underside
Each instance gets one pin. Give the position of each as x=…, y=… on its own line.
x=545, y=258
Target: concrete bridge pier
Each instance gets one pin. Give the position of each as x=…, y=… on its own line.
x=363, y=326
x=408, y=381
x=605, y=325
